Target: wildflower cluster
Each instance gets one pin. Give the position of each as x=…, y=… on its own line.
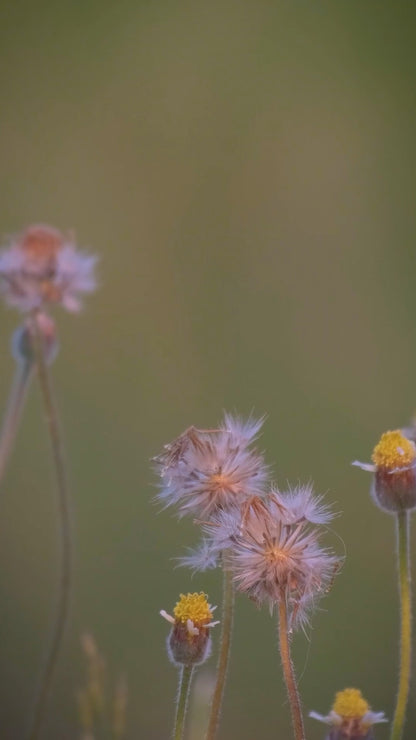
x=271, y=539
x=267, y=542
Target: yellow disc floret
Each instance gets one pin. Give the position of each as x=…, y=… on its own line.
x=350, y=704
x=194, y=607
x=394, y=451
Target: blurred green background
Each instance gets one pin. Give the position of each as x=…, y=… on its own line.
x=246, y=172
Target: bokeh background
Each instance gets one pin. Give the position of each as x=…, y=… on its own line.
x=246, y=172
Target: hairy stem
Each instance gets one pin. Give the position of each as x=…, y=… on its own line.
x=21, y=380
x=225, y=645
x=289, y=673
x=405, y=624
x=182, y=702
x=63, y=501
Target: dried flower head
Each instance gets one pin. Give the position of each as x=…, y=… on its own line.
x=189, y=640
x=274, y=552
x=204, y=471
x=41, y=266
x=350, y=717
x=394, y=468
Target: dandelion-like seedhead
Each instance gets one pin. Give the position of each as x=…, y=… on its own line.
x=41, y=266
x=394, y=466
x=189, y=640
x=350, y=717
x=204, y=471
x=274, y=551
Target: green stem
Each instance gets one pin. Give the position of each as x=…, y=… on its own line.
x=65, y=578
x=182, y=703
x=21, y=380
x=406, y=624
x=225, y=645
x=289, y=673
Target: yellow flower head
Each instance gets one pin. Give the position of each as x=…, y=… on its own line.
x=350, y=704
x=394, y=466
x=350, y=717
x=189, y=640
x=393, y=451
x=194, y=607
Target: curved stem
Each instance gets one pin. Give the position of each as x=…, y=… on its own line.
x=182, y=702
x=21, y=380
x=405, y=626
x=289, y=673
x=62, y=611
x=225, y=645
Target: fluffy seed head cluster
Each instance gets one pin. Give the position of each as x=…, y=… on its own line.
x=189, y=640
x=41, y=266
x=350, y=717
x=205, y=471
x=269, y=540
x=275, y=554
x=394, y=467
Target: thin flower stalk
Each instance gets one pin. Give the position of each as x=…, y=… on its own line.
x=21, y=381
x=393, y=489
x=275, y=558
x=189, y=644
x=289, y=672
x=185, y=679
x=405, y=625
x=65, y=578
x=225, y=648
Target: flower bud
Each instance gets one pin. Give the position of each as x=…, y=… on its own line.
x=189, y=640
x=350, y=717
x=394, y=466
x=394, y=483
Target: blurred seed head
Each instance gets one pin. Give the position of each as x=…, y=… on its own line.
x=41, y=266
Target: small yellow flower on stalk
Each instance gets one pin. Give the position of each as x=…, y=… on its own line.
x=394, y=491
x=188, y=645
x=189, y=640
x=394, y=468
x=350, y=717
